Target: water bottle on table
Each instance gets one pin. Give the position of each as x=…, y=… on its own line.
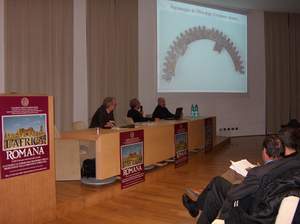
x=196, y=111
x=192, y=111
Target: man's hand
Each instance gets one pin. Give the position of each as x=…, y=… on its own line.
x=110, y=124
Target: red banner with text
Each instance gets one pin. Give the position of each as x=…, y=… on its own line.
x=181, y=144
x=209, y=134
x=132, y=158
x=24, y=135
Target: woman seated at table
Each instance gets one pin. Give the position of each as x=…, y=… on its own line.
x=136, y=111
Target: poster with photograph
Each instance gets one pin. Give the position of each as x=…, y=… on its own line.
x=181, y=144
x=24, y=135
x=132, y=158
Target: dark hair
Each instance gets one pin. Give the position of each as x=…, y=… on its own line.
x=290, y=137
x=274, y=146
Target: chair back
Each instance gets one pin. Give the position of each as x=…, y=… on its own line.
x=287, y=210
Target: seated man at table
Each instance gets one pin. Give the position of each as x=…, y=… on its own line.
x=221, y=195
x=136, y=111
x=161, y=111
x=104, y=116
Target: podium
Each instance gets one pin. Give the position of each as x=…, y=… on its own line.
x=27, y=184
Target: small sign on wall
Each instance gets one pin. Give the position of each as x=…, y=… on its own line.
x=24, y=135
x=132, y=158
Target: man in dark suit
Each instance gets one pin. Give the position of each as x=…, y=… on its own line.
x=259, y=202
x=291, y=140
x=222, y=194
x=161, y=111
x=104, y=116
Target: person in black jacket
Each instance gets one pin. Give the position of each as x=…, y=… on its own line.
x=161, y=111
x=291, y=140
x=222, y=194
x=136, y=112
x=104, y=116
x=258, y=198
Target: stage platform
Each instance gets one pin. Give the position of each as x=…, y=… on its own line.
x=73, y=196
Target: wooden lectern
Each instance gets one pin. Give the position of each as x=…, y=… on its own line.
x=27, y=195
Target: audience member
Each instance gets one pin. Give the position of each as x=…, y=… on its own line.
x=291, y=140
x=220, y=193
x=104, y=116
x=293, y=123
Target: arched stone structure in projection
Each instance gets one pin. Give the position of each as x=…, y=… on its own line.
x=179, y=47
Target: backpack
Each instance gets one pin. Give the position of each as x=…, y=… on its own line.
x=88, y=168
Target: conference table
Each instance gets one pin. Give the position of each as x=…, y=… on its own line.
x=158, y=142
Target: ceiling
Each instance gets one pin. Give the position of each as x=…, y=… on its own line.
x=265, y=5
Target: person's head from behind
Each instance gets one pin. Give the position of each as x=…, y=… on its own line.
x=134, y=104
x=273, y=148
x=110, y=103
x=291, y=139
x=161, y=101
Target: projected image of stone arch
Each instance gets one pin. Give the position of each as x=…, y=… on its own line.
x=180, y=45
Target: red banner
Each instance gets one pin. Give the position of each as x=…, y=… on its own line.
x=181, y=144
x=132, y=158
x=24, y=137
x=209, y=135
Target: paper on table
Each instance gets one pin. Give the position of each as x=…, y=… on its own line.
x=241, y=166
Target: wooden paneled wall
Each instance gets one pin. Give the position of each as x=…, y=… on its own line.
x=30, y=198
